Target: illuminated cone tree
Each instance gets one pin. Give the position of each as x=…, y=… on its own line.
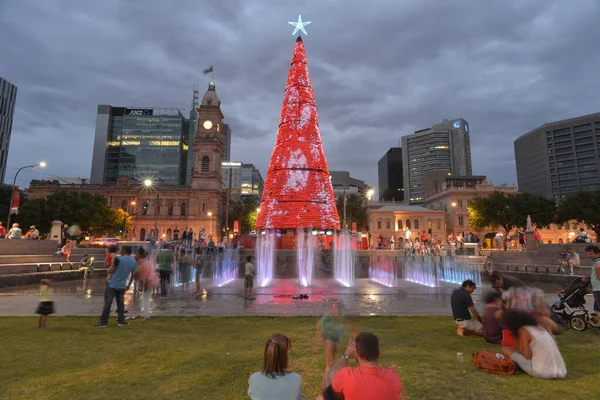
x=298, y=192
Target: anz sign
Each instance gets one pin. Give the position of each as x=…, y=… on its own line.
x=457, y=124
x=139, y=111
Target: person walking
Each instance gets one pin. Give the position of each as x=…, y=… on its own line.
x=164, y=260
x=46, y=305
x=249, y=272
x=184, y=264
x=199, y=264
x=190, y=238
x=147, y=279
x=118, y=274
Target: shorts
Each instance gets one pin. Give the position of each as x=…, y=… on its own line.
x=470, y=325
x=248, y=281
x=597, y=301
x=45, y=308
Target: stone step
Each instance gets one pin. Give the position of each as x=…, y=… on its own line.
x=12, y=280
x=25, y=268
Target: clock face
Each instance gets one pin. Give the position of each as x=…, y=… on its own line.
x=207, y=124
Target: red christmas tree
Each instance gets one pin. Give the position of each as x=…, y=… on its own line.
x=298, y=192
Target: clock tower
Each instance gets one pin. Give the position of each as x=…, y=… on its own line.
x=208, y=143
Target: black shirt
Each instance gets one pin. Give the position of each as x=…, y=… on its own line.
x=461, y=301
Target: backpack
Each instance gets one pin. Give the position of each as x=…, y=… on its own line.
x=487, y=361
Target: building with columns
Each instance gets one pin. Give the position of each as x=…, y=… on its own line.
x=387, y=220
x=159, y=208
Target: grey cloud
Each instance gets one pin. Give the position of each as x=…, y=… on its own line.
x=379, y=72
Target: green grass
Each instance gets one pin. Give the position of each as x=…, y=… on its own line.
x=212, y=358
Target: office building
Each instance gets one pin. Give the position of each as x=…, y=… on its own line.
x=143, y=134
x=443, y=147
x=226, y=138
x=391, y=178
x=242, y=180
x=140, y=143
x=8, y=95
x=341, y=181
x=559, y=158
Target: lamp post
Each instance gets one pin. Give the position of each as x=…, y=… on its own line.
x=42, y=164
x=149, y=184
x=125, y=221
x=210, y=223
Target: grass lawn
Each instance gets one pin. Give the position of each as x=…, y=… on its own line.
x=212, y=358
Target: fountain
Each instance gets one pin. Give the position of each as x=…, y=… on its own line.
x=305, y=249
x=265, y=256
x=432, y=271
x=344, y=259
x=226, y=267
x=383, y=271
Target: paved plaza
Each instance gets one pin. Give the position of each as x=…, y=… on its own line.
x=365, y=299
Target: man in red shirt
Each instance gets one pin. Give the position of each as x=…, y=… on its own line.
x=368, y=380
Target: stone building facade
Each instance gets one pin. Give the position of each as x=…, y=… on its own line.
x=387, y=220
x=197, y=205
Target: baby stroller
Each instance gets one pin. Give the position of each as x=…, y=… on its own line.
x=569, y=306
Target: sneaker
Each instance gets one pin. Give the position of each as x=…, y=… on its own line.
x=100, y=325
x=122, y=324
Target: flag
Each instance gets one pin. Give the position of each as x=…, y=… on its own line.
x=208, y=70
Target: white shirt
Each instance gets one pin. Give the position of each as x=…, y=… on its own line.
x=407, y=234
x=249, y=269
x=546, y=360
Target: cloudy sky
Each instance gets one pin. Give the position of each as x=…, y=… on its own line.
x=380, y=70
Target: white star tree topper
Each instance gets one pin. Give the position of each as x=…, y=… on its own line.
x=299, y=25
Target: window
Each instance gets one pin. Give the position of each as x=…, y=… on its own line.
x=399, y=224
x=203, y=207
x=460, y=203
x=378, y=224
x=205, y=164
x=183, y=209
x=387, y=224
x=145, y=208
x=439, y=224
x=416, y=224
x=123, y=204
x=460, y=221
x=170, y=210
x=408, y=224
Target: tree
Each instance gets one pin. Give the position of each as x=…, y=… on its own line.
x=245, y=212
x=5, y=193
x=298, y=191
x=355, y=210
x=511, y=210
x=583, y=207
x=91, y=212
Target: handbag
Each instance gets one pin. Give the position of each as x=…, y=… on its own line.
x=490, y=362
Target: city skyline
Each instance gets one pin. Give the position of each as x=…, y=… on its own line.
x=386, y=76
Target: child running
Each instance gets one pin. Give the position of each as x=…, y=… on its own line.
x=330, y=329
x=46, y=306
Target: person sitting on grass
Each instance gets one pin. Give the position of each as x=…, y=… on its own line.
x=462, y=309
x=492, y=331
x=537, y=355
x=368, y=380
x=275, y=381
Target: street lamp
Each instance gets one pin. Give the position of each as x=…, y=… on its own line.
x=149, y=184
x=42, y=164
x=370, y=194
x=210, y=224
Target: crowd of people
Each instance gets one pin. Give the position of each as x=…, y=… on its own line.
x=16, y=233
x=517, y=317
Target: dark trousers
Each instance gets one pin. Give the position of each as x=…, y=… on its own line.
x=109, y=295
x=165, y=280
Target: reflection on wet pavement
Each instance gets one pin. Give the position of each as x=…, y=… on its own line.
x=366, y=298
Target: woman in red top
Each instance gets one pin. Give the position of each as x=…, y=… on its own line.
x=2, y=231
x=424, y=237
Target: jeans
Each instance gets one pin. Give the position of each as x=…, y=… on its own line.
x=146, y=302
x=109, y=295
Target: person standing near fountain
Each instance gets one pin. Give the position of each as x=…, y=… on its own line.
x=249, y=273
